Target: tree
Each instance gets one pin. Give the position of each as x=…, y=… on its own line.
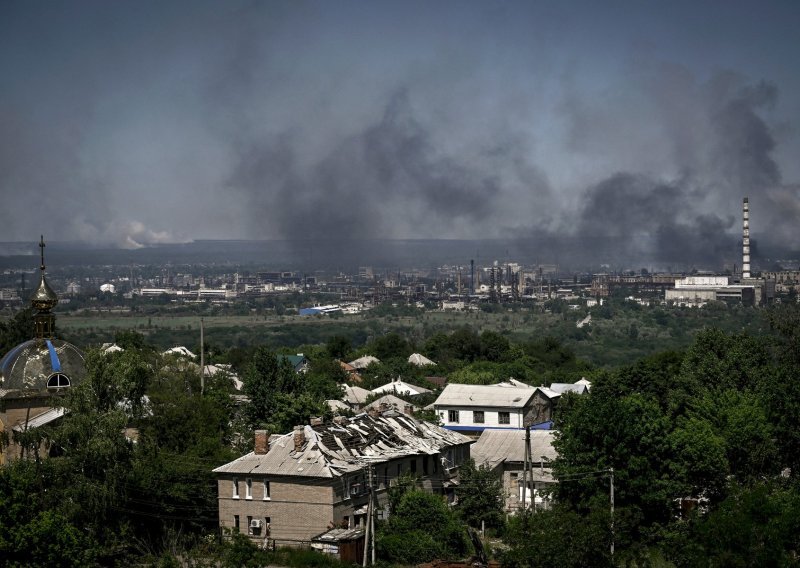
x=421, y=528
x=558, y=538
x=16, y=330
x=264, y=378
x=494, y=347
x=129, y=339
x=338, y=347
x=480, y=495
x=279, y=397
x=392, y=345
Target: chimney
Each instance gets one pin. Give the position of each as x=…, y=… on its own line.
x=374, y=412
x=316, y=421
x=299, y=438
x=408, y=409
x=262, y=442
x=745, y=238
x=340, y=420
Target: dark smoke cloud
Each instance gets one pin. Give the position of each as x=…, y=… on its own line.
x=352, y=122
x=722, y=149
x=389, y=180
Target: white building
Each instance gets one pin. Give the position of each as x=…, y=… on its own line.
x=474, y=408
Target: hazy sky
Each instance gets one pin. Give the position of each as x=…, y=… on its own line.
x=138, y=122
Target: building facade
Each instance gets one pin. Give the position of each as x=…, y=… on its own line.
x=295, y=486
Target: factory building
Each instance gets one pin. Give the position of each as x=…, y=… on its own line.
x=699, y=290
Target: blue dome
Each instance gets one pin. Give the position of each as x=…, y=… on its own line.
x=40, y=364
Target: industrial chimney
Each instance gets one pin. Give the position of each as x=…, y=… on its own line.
x=472, y=277
x=745, y=239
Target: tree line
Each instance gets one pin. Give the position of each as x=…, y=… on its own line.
x=703, y=443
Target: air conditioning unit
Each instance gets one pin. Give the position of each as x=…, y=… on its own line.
x=255, y=524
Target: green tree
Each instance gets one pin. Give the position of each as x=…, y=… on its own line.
x=421, y=528
x=264, y=379
x=494, y=347
x=480, y=495
x=338, y=347
x=558, y=538
x=130, y=339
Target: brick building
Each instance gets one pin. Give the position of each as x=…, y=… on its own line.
x=295, y=486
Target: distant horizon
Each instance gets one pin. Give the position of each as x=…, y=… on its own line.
x=570, y=254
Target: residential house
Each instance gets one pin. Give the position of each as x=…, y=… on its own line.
x=180, y=351
x=475, y=408
x=503, y=451
x=389, y=401
x=295, y=486
x=399, y=386
x=354, y=396
x=419, y=360
x=352, y=372
x=545, y=400
x=364, y=362
x=299, y=362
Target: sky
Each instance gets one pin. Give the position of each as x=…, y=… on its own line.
x=639, y=123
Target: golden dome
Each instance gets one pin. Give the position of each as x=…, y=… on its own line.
x=44, y=299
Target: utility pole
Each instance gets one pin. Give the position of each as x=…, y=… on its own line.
x=202, y=360
x=530, y=464
x=524, y=496
x=611, y=471
x=372, y=510
x=370, y=524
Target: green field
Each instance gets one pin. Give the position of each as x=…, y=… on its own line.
x=618, y=332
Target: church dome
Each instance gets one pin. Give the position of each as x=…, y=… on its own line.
x=43, y=362
x=40, y=364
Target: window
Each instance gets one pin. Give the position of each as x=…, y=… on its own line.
x=248, y=489
x=249, y=524
x=452, y=416
x=235, y=487
x=266, y=491
x=477, y=416
x=414, y=465
x=236, y=523
x=425, y=465
x=58, y=381
x=399, y=469
x=504, y=418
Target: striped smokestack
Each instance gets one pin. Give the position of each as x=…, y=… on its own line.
x=745, y=239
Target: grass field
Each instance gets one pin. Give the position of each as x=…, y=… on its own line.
x=613, y=337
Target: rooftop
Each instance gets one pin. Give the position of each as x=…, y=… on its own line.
x=333, y=449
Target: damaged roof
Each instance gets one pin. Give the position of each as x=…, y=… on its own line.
x=332, y=449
